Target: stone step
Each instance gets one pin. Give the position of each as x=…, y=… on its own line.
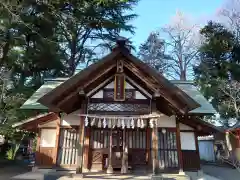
x=170, y=177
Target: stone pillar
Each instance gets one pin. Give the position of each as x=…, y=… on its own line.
x=110, y=168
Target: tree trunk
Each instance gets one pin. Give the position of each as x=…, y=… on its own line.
x=183, y=75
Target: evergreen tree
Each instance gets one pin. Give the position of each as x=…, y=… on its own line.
x=218, y=68
x=152, y=52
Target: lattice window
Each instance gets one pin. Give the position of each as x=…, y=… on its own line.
x=130, y=94
x=120, y=107
x=167, y=149
x=109, y=93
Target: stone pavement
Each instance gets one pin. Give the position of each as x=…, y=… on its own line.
x=58, y=176
x=222, y=173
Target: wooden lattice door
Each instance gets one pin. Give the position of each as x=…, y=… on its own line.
x=167, y=149
x=117, y=148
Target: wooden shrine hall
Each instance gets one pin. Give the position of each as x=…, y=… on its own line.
x=118, y=114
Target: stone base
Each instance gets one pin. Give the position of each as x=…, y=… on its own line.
x=109, y=170
x=124, y=170
x=77, y=176
x=181, y=173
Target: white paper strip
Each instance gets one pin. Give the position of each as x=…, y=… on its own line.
x=86, y=121
x=138, y=123
x=128, y=123
x=93, y=121
x=132, y=123
x=113, y=123
x=119, y=123
x=104, y=123
x=99, y=123
x=109, y=122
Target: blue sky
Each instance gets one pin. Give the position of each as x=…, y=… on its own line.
x=154, y=14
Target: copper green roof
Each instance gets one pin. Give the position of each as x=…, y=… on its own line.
x=186, y=86
x=191, y=90
x=32, y=103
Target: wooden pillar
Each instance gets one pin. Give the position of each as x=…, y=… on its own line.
x=124, y=168
x=238, y=138
x=197, y=148
x=81, y=143
x=38, y=146
x=110, y=168
x=57, y=140
x=86, y=149
x=155, y=160
x=180, y=158
x=148, y=153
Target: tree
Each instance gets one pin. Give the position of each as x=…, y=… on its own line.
x=230, y=16
x=82, y=21
x=182, y=44
x=47, y=39
x=230, y=100
x=152, y=52
x=217, y=63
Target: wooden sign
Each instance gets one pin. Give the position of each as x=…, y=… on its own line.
x=119, y=87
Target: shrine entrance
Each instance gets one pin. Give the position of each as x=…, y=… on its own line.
x=134, y=141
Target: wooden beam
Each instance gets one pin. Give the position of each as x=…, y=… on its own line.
x=178, y=136
x=166, y=93
x=58, y=123
x=139, y=74
x=81, y=88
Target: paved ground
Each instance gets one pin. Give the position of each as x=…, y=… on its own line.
x=9, y=171
x=23, y=173
x=222, y=173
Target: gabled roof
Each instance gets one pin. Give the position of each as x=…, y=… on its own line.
x=66, y=96
x=187, y=86
x=192, y=91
